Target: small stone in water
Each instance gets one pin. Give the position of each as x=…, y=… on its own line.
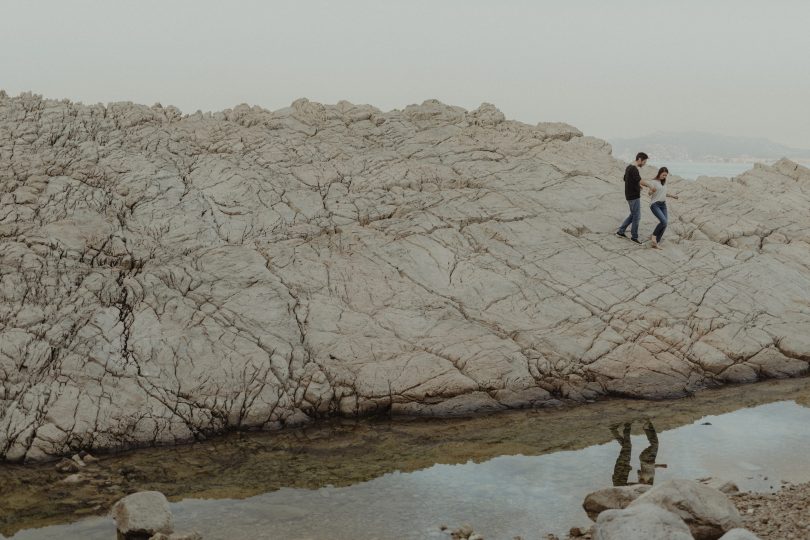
x=465, y=530
x=67, y=466
x=74, y=478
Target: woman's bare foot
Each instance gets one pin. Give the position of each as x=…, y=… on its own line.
x=653, y=243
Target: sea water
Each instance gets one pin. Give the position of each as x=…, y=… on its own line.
x=520, y=473
x=691, y=170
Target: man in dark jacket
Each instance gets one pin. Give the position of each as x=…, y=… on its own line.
x=632, y=192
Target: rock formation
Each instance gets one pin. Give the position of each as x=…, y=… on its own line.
x=641, y=521
x=676, y=508
x=707, y=511
x=142, y=514
x=612, y=498
x=164, y=277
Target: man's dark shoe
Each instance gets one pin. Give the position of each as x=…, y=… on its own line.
x=635, y=240
x=620, y=234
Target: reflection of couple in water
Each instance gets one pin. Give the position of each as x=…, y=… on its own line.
x=646, y=472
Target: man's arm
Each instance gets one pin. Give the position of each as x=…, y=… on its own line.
x=641, y=181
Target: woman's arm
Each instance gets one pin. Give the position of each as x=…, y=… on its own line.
x=673, y=196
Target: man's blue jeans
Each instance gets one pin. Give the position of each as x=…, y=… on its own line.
x=659, y=209
x=633, y=218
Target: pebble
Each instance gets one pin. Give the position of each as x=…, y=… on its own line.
x=67, y=466
x=75, y=478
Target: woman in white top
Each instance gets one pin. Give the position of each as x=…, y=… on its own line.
x=658, y=204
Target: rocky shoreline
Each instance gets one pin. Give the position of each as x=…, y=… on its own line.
x=673, y=510
x=782, y=515
x=168, y=277
x=341, y=452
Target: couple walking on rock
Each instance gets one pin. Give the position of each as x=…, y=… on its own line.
x=658, y=200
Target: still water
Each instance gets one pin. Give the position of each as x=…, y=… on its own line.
x=520, y=473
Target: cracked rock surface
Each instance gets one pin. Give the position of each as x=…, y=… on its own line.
x=164, y=277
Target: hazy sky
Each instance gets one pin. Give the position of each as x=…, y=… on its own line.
x=611, y=68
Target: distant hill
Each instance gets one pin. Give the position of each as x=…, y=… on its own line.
x=698, y=146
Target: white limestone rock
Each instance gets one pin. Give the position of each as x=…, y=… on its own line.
x=640, y=522
x=612, y=498
x=144, y=513
x=725, y=486
x=739, y=534
x=707, y=511
x=167, y=276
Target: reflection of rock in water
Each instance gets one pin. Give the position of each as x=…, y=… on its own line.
x=621, y=470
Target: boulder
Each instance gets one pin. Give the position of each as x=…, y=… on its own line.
x=145, y=513
x=707, y=511
x=194, y=535
x=725, y=486
x=739, y=534
x=640, y=522
x=67, y=466
x=612, y=498
x=75, y=478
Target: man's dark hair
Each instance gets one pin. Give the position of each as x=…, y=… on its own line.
x=642, y=156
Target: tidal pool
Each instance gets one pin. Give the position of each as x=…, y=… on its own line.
x=518, y=473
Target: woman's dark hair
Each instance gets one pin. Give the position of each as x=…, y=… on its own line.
x=661, y=171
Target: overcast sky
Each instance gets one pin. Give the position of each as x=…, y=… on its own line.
x=611, y=68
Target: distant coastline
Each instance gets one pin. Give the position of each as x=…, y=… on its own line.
x=692, y=170
x=707, y=153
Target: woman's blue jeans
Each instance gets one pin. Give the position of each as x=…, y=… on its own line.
x=659, y=210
